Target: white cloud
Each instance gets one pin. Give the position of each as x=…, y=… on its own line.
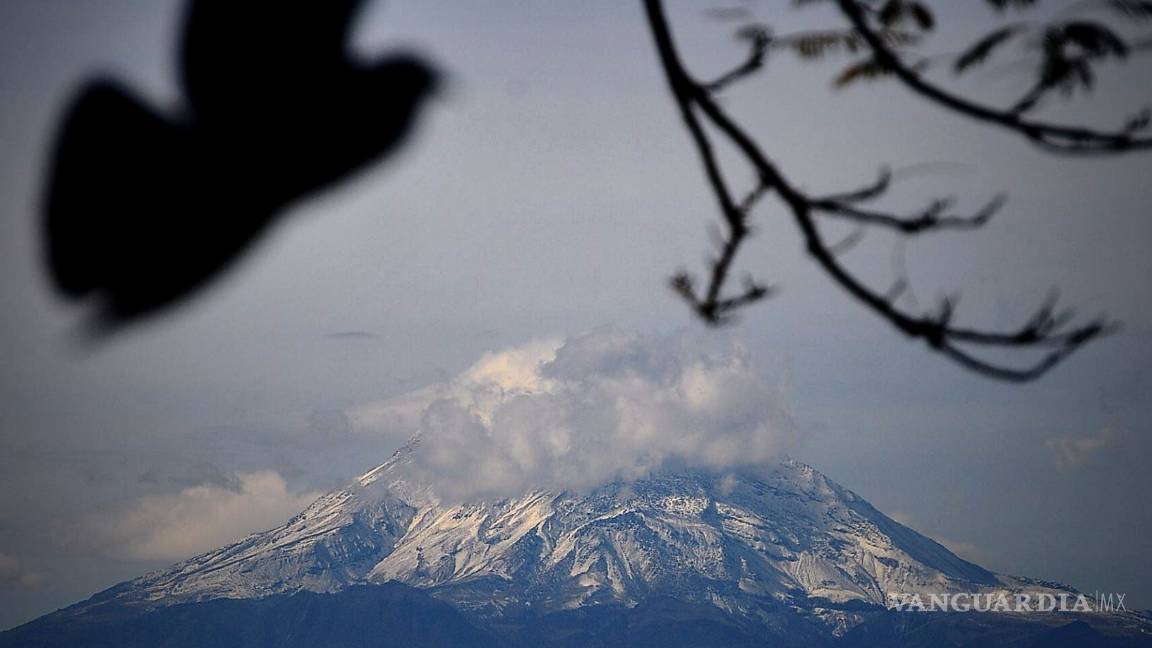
x=1073, y=452
x=396, y=418
x=483, y=384
x=202, y=517
x=14, y=574
x=592, y=409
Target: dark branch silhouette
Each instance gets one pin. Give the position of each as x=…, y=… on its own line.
x=1047, y=330
x=144, y=208
x=928, y=219
x=1054, y=137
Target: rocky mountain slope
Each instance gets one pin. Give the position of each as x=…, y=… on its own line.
x=783, y=552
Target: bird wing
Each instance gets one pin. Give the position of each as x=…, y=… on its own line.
x=112, y=155
x=251, y=52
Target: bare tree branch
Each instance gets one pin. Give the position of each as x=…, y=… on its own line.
x=865, y=193
x=1054, y=137
x=758, y=51
x=1045, y=330
x=928, y=219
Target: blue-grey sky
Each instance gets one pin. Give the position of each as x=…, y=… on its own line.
x=552, y=190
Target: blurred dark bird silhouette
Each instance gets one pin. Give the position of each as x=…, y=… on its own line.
x=144, y=208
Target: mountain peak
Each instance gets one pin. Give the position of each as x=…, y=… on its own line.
x=780, y=551
x=782, y=534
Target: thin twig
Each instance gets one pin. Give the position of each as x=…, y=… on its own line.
x=1054, y=137
x=1045, y=329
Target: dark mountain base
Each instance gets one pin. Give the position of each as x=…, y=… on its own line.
x=360, y=617
x=397, y=615
x=1063, y=630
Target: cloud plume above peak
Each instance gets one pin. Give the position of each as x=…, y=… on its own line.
x=595, y=408
x=199, y=518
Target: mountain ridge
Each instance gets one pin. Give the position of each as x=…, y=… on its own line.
x=782, y=552
x=788, y=533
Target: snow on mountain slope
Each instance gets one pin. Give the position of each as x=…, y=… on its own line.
x=786, y=534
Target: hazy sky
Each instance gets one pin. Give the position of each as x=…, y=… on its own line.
x=552, y=191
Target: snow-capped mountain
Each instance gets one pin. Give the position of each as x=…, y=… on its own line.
x=788, y=534
x=780, y=556
x=705, y=538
